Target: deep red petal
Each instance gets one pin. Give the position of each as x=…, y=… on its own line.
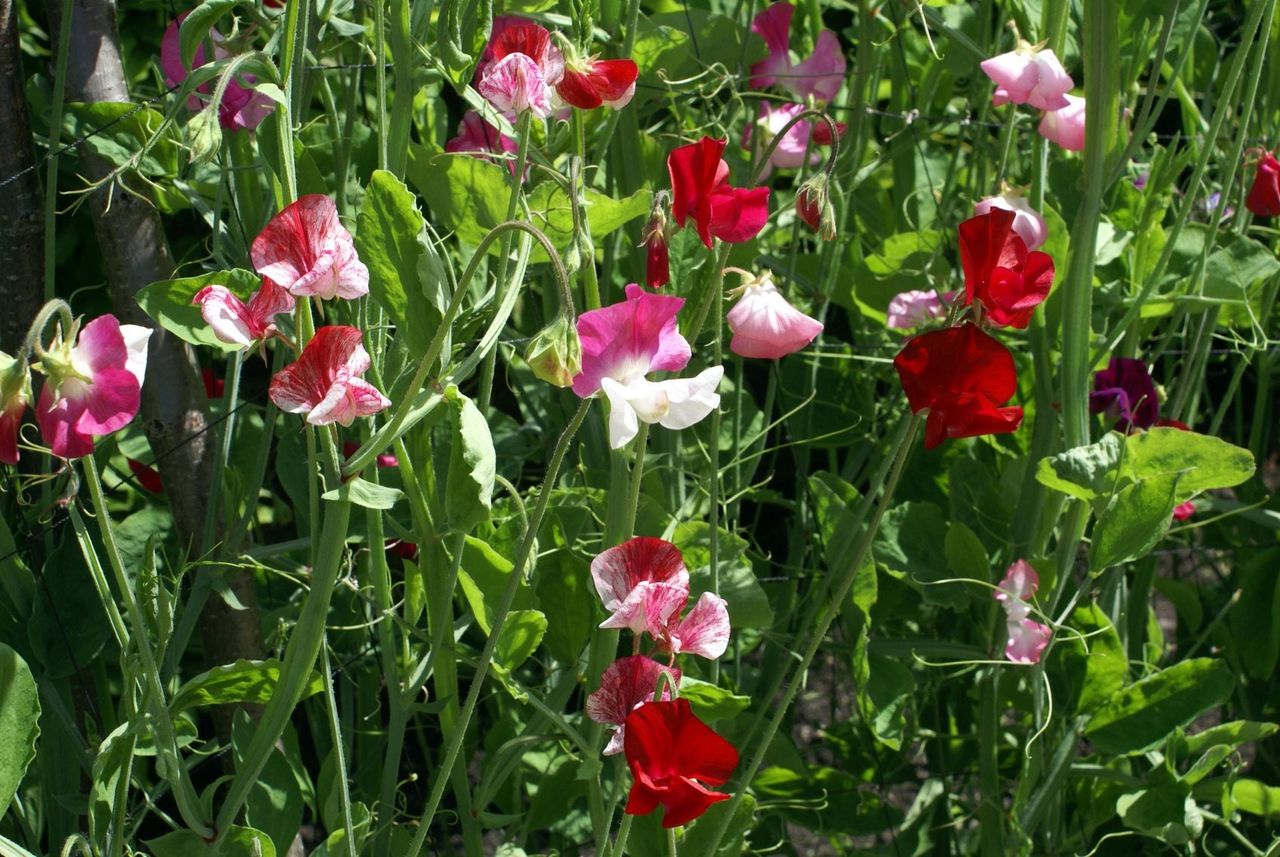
x=968, y=415
x=955, y=361
x=693, y=170
x=576, y=88
x=987, y=241
x=147, y=477
x=822, y=132
x=612, y=78
x=1264, y=195
x=684, y=800
x=525, y=38
x=657, y=263
x=738, y=214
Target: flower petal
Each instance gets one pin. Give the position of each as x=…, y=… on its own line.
x=704, y=631
x=765, y=325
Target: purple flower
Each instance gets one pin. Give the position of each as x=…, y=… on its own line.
x=1125, y=392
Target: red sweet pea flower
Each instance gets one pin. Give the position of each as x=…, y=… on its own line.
x=669, y=750
x=1264, y=196
x=999, y=272
x=700, y=190
x=596, y=82
x=963, y=377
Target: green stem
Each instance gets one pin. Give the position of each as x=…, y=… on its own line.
x=671, y=842
x=380, y=76
x=624, y=833
x=339, y=754
x=223, y=452
x=55, y=140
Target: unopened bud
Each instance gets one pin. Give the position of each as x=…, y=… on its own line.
x=657, y=257
x=813, y=206
x=204, y=135
x=555, y=353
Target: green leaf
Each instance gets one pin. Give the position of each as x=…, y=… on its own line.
x=1146, y=712
x=1233, y=270
x=520, y=637
x=747, y=602
x=276, y=805
x=116, y=131
x=1086, y=472
x=908, y=545
x=19, y=722
x=1160, y=812
x=833, y=504
x=1203, y=461
x=564, y=588
x=238, y=682
x=1256, y=798
x=1231, y=734
x=387, y=240
x=483, y=577
x=196, y=25
x=113, y=761
x=1097, y=664
x=168, y=302
x=966, y=556
x=472, y=465
x=902, y=262
x=366, y=494
x=238, y=842
x=883, y=699
x=711, y=702
x=68, y=625
x=1136, y=518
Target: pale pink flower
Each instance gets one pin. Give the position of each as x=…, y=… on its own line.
x=241, y=107
x=478, y=138
x=324, y=382
x=790, y=151
x=641, y=583
x=915, y=308
x=524, y=71
x=1027, y=75
x=1026, y=637
x=93, y=387
x=703, y=631
x=765, y=325
x=237, y=323
x=1027, y=640
x=1066, y=126
x=1027, y=222
x=819, y=75
x=626, y=684
x=15, y=381
x=307, y=250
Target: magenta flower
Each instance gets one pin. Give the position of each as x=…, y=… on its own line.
x=1183, y=511
x=623, y=342
x=790, y=151
x=765, y=325
x=626, y=684
x=93, y=387
x=525, y=70
x=307, y=250
x=241, y=108
x=237, y=323
x=324, y=382
x=819, y=75
x=1026, y=637
x=1028, y=75
x=641, y=582
x=915, y=308
x=15, y=384
x=1124, y=392
x=1027, y=222
x=478, y=138
x=1066, y=126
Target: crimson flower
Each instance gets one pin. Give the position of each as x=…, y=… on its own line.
x=671, y=753
x=593, y=83
x=963, y=377
x=15, y=392
x=999, y=272
x=627, y=682
x=1264, y=195
x=701, y=192
x=324, y=382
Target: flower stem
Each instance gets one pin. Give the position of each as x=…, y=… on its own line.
x=624, y=833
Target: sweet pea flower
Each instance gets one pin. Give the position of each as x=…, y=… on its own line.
x=237, y=323
x=623, y=342
x=1065, y=126
x=1029, y=75
x=999, y=272
x=1125, y=392
x=525, y=69
x=765, y=325
x=1027, y=222
x=703, y=631
x=641, y=582
x=657, y=256
x=592, y=83
x=324, y=382
x=701, y=192
x=93, y=387
x=671, y=754
x=1183, y=511
x=790, y=151
x=915, y=308
x=1264, y=194
x=307, y=251
x=1026, y=637
x=819, y=75
x=478, y=138
x=963, y=377
x=626, y=684
x=241, y=107
x=15, y=385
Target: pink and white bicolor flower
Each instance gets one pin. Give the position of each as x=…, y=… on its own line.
x=324, y=382
x=703, y=631
x=623, y=342
x=237, y=323
x=1066, y=126
x=93, y=387
x=765, y=325
x=819, y=75
x=915, y=308
x=1027, y=222
x=1029, y=75
x=626, y=684
x=525, y=69
x=1027, y=638
x=307, y=251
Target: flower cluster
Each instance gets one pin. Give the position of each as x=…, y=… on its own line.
x=1033, y=75
x=1026, y=637
x=644, y=586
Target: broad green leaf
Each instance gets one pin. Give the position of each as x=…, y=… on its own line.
x=1256, y=798
x=552, y=212
x=1136, y=518
x=483, y=577
x=675, y=45
x=910, y=544
x=112, y=763
x=1096, y=663
x=966, y=556
x=472, y=465
x=903, y=261
x=238, y=842
x=883, y=699
x=1231, y=734
x=834, y=500
x=168, y=302
x=564, y=588
x=238, y=682
x=387, y=240
x=19, y=722
x=711, y=702
x=366, y=494
x=196, y=25
x=1166, y=812
x=1233, y=270
x=68, y=626
x=1204, y=462
x=1255, y=619
x=276, y=805
x=1086, y=472
x=116, y=131
x=520, y=637
x=1146, y=713
x=747, y=602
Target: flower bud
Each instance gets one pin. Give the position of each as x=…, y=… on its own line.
x=657, y=257
x=1264, y=194
x=555, y=353
x=813, y=206
x=204, y=135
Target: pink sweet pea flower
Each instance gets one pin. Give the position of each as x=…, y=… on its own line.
x=704, y=631
x=916, y=308
x=525, y=69
x=237, y=323
x=635, y=581
x=790, y=151
x=765, y=325
x=1066, y=126
x=1028, y=75
x=307, y=250
x=820, y=75
x=477, y=138
x=1026, y=637
x=324, y=382
x=1027, y=222
x=1027, y=640
x=626, y=684
x=241, y=107
x=15, y=384
x=93, y=387
x=701, y=192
